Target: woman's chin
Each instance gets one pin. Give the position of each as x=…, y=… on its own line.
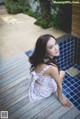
x=58, y=54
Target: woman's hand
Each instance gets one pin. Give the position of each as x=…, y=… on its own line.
x=65, y=102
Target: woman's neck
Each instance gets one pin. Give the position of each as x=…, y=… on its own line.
x=51, y=57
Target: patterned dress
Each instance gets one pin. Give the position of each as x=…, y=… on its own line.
x=48, y=85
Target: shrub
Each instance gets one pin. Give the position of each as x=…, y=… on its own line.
x=43, y=23
x=16, y=6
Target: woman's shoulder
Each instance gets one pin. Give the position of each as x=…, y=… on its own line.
x=53, y=69
x=48, y=66
x=42, y=66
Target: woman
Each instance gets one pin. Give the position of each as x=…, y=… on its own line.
x=46, y=78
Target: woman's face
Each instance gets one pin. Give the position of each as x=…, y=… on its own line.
x=52, y=48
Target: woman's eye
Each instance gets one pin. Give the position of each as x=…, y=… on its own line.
x=51, y=47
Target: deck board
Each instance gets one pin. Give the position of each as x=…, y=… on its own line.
x=29, y=114
x=15, y=64
x=71, y=114
x=78, y=117
x=58, y=113
x=47, y=111
x=14, y=85
x=13, y=77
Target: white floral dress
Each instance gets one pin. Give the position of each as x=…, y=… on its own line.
x=48, y=85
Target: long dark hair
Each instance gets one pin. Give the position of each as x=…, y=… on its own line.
x=40, y=51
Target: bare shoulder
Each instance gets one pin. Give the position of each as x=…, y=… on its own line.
x=53, y=69
x=54, y=73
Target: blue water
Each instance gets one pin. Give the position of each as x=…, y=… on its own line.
x=69, y=56
x=71, y=89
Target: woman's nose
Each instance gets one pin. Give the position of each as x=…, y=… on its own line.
x=56, y=48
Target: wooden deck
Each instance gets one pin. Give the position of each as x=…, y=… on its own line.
x=14, y=85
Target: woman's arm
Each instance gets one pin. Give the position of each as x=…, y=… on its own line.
x=58, y=77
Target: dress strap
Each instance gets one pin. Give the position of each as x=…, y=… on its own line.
x=44, y=70
x=34, y=76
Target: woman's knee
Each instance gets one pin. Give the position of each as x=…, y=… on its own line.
x=62, y=75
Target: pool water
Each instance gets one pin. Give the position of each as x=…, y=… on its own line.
x=69, y=57
x=71, y=89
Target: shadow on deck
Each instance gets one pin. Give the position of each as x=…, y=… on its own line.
x=14, y=85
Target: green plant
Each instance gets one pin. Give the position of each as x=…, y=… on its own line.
x=43, y=23
x=45, y=14
x=29, y=12
x=57, y=17
x=16, y=6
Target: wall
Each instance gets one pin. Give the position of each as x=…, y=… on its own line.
x=76, y=20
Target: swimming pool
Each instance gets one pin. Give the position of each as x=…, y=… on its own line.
x=69, y=57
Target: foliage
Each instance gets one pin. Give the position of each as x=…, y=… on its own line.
x=57, y=16
x=16, y=6
x=43, y=23
x=47, y=13
x=31, y=13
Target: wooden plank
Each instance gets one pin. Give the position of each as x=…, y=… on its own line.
x=13, y=65
x=47, y=111
x=75, y=20
x=76, y=6
x=14, y=100
x=76, y=33
x=23, y=109
x=7, y=64
x=7, y=77
x=13, y=77
x=13, y=83
x=14, y=73
x=76, y=12
x=74, y=29
x=75, y=17
x=75, y=25
x=78, y=117
x=59, y=112
x=71, y=114
x=13, y=89
x=6, y=61
x=38, y=108
x=13, y=61
x=8, y=72
x=18, y=105
x=13, y=94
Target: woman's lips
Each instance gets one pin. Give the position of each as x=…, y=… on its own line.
x=57, y=52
